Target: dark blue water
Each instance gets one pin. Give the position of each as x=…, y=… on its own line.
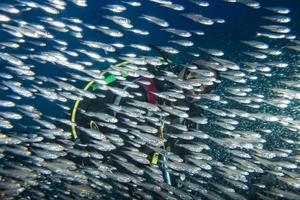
x=242, y=23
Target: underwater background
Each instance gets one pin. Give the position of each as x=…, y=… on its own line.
x=241, y=23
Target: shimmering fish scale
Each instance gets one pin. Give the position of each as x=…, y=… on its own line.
x=106, y=100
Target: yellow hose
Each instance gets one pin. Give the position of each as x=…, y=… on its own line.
x=77, y=102
x=76, y=105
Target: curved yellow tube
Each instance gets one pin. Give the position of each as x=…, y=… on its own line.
x=77, y=102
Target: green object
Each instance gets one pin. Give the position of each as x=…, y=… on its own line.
x=109, y=79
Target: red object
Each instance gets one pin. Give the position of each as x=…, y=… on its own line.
x=152, y=98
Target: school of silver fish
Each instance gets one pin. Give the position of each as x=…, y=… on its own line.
x=244, y=141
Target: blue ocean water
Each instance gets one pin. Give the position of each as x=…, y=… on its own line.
x=242, y=23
